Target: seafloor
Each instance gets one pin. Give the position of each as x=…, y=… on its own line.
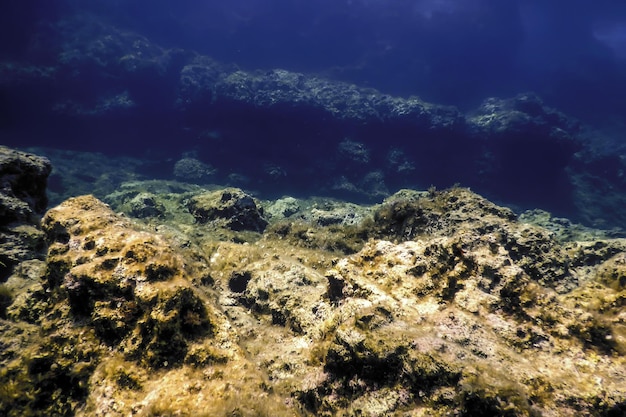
x=163, y=298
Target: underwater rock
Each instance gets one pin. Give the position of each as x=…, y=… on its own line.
x=19, y=243
x=103, y=51
x=147, y=77
x=354, y=151
x=236, y=209
x=467, y=311
x=192, y=170
x=445, y=213
x=283, y=207
x=310, y=94
x=145, y=205
x=432, y=303
x=122, y=324
x=111, y=276
x=526, y=149
x=433, y=320
x=23, y=178
x=196, y=82
x=520, y=115
x=338, y=214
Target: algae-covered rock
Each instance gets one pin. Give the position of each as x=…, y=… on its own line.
x=432, y=303
x=144, y=326
x=449, y=306
x=283, y=207
x=23, y=179
x=145, y=205
x=130, y=285
x=192, y=170
x=231, y=206
x=471, y=337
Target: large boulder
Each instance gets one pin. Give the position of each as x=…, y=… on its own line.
x=230, y=207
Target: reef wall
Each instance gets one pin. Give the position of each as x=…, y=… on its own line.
x=103, y=88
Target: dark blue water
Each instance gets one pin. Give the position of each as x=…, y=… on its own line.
x=65, y=78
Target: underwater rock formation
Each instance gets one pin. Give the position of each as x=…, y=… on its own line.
x=128, y=322
x=526, y=149
x=433, y=303
x=192, y=170
x=289, y=90
x=23, y=179
x=278, y=131
x=123, y=85
x=236, y=209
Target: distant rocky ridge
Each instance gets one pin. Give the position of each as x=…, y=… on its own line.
x=174, y=299
x=101, y=88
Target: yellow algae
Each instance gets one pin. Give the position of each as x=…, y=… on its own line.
x=437, y=303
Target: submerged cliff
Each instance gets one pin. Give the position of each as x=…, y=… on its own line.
x=97, y=87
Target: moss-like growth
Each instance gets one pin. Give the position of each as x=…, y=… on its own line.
x=51, y=379
x=594, y=332
x=6, y=298
x=232, y=206
x=495, y=398
x=439, y=304
x=343, y=239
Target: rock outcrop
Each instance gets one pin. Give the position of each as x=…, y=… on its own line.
x=282, y=130
x=526, y=150
x=232, y=207
x=129, y=323
x=433, y=303
x=23, y=179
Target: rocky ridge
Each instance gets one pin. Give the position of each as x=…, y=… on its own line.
x=273, y=129
x=432, y=303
